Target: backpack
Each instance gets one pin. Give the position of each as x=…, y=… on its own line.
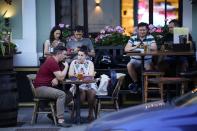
x=103, y=59
x=112, y=83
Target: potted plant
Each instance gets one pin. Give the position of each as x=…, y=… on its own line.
x=7, y=48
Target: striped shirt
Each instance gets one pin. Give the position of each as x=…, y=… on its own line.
x=134, y=40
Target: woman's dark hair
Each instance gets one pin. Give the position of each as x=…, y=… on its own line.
x=142, y=24
x=84, y=49
x=51, y=37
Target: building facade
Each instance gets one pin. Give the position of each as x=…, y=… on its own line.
x=32, y=20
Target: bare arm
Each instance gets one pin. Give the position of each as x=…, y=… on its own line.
x=71, y=70
x=91, y=69
x=54, y=82
x=60, y=75
x=129, y=47
x=46, y=48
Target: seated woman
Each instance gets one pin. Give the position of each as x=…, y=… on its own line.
x=86, y=67
x=55, y=39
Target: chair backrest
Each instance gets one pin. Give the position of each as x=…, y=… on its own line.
x=118, y=86
x=31, y=78
x=42, y=58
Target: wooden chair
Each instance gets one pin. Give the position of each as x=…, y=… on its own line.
x=148, y=88
x=192, y=75
x=38, y=100
x=169, y=81
x=42, y=58
x=113, y=97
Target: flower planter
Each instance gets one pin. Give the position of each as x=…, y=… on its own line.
x=114, y=53
x=6, y=63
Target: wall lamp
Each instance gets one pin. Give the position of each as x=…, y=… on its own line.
x=97, y=4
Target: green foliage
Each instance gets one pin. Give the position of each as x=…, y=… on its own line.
x=6, y=47
x=66, y=32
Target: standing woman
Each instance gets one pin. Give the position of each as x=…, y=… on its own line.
x=54, y=40
x=86, y=67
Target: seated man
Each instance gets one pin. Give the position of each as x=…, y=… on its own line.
x=78, y=41
x=135, y=43
x=48, y=76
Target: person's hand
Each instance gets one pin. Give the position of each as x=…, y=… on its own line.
x=65, y=64
x=54, y=82
x=55, y=43
x=138, y=45
x=67, y=56
x=76, y=49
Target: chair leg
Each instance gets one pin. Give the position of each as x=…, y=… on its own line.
x=116, y=104
x=95, y=112
x=97, y=108
x=72, y=111
x=53, y=112
x=145, y=89
x=161, y=90
x=183, y=85
x=35, y=113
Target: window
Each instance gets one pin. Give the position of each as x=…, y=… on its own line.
x=172, y=7
x=143, y=12
x=127, y=16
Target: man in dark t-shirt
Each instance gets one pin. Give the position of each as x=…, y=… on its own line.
x=181, y=62
x=48, y=76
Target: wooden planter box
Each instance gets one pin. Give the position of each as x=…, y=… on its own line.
x=114, y=50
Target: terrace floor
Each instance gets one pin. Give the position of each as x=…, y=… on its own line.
x=45, y=124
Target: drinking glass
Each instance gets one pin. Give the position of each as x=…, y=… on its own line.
x=80, y=76
x=145, y=47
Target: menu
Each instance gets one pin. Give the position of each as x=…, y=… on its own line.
x=181, y=35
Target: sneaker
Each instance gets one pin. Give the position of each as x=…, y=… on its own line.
x=133, y=87
x=64, y=125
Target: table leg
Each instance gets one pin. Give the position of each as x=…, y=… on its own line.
x=77, y=105
x=142, y=78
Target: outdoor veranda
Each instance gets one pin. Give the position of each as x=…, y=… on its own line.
x=29, y=32
x=45, y=124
